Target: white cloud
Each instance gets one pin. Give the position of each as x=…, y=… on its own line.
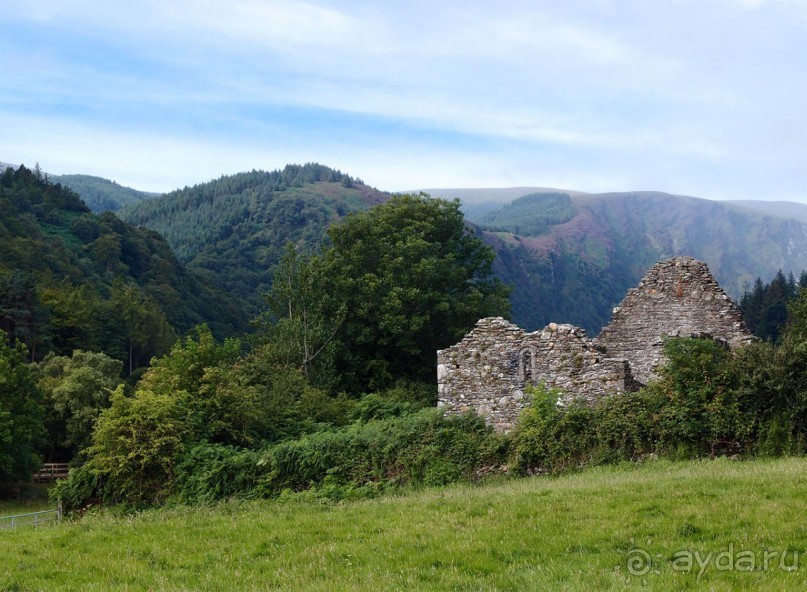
x=616, y=91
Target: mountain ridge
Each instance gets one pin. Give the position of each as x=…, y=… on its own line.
x=573, y=264
x=577, y=269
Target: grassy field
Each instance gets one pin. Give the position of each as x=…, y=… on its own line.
x=32, y=498
x=719, y=525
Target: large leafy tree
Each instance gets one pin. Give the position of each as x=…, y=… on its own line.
x=295, y=332
x=21, y=428
x=412, y=278
x=76, y=389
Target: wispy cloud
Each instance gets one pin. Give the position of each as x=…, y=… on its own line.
x=694, y=97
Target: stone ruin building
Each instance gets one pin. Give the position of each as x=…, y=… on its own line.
x=489, y=369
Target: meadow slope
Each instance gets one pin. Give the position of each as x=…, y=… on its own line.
x=594, y=530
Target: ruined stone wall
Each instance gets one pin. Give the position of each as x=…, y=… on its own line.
x=562, y=357
x=678, y=297
x=489, y=369
x=480, y=373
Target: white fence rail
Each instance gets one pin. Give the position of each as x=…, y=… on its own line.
x=31, y=519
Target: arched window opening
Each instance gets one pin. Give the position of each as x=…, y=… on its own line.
x=526, y=365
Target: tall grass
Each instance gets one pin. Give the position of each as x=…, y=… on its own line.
x=575, y=532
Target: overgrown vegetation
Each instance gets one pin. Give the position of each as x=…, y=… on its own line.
x=289, y=408
x=707, y=402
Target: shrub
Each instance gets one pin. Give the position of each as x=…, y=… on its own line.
x=78, y=491
x=424, y=448
x=551, y=438
x=210, y=472
x=624, y=426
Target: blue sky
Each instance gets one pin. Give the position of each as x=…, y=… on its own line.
x=700, y=97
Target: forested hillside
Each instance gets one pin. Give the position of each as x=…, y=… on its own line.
x=569, y=257
x=101, y=195
x=71, y=279
x=573, y=258
x=233, y=230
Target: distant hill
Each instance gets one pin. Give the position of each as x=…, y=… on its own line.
x=102, y=195
x=70, y=278
x=572, y=258
x=476, y=202
x=233, y=230
x=783, y=209
x=500, y=195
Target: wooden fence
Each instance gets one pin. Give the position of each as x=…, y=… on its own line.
x=51, y=472
x=31, y=519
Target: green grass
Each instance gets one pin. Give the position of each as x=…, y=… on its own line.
x=571, y=533
x=31, y=498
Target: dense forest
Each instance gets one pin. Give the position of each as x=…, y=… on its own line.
x=765, y=306
x=233, y=230
x=71, y=279
x=530, y=215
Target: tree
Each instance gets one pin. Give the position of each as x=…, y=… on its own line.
x=774, y=308
x=702, y=411
x=21, y=427
x=295, y=332
x=76, y=390
x=413, y=278
x=138, y=324
x=22, y=316
x=797, y=312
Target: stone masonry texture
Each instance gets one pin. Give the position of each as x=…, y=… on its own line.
x=488, y=371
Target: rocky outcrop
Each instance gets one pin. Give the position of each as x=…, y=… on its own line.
x=489, y=370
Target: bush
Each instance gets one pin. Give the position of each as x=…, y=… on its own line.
x=424, y=448
x=694, y=409
x=421, y=448
x=210, y=472
x=78, y=491
x=551, y=438
x=383, y=406
x=624, y=426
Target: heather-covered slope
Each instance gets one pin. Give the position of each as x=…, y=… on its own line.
x=571, y=259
